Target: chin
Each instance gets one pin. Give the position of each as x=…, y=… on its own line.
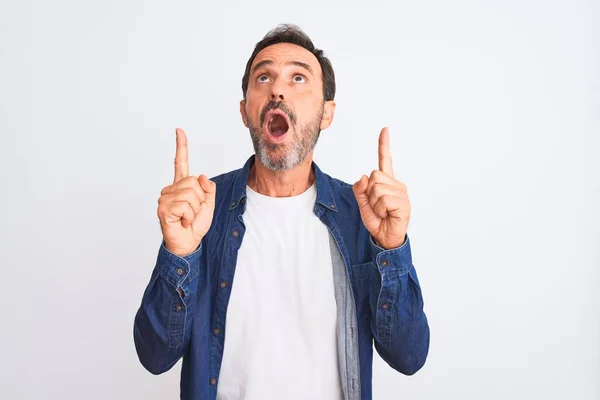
x=278, y=161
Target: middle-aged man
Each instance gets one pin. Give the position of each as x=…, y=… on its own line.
x=273, y=281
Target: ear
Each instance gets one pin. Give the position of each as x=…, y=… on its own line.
x=328, y=111
x=243, y=113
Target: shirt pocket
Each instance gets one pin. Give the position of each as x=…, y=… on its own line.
x=362, y=280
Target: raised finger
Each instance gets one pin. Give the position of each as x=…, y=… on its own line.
x=385, y=157
x=182, y=166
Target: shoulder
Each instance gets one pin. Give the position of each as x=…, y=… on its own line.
x=339, y=184
x=224, y=192
x=226, y=177
x=342, y=193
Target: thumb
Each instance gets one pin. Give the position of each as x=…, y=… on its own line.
x=210, y=188
x=360, y=189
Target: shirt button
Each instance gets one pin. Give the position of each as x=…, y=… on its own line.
x=235, y=234
x=223, y=284
x=213, y=381
x=180, y=271
x=384, y=263
x=179, y=307
x=217, y=331
x=233, y=204
x=333, y=206
x=385, y=306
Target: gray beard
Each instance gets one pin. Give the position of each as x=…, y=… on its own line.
x=283, y=156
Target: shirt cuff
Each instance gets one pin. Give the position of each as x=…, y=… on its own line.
x=178, y=270
x=396, y=261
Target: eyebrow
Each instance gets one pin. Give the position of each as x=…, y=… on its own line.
x=300, y=64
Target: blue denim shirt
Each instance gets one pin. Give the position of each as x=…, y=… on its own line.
x=184, y=306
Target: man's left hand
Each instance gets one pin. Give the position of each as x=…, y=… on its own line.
x=383, y=201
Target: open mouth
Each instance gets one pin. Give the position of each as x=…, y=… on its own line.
x=277, y=123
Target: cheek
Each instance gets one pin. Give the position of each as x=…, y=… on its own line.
x=253, y=109
x=308, y=100
x=258, y=92
x=308, y=109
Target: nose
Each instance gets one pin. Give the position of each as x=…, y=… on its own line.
x=277, y=96
x=277, y=89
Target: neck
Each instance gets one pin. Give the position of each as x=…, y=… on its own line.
x=288, y=183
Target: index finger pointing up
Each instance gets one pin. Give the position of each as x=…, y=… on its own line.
x=182, y=166
x=385, y=157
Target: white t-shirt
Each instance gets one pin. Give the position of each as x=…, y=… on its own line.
x=280, y=333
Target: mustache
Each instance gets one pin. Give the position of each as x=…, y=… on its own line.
x=272, y=105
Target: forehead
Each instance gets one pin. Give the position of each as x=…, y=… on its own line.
x=283, y=53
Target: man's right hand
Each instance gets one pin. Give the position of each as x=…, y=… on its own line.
x=185, y=208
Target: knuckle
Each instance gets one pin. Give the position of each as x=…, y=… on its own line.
x=196, y=184
x=182, y=196
x=377, y=190
x=381, y=190
x=186, y=182
x=188, y=192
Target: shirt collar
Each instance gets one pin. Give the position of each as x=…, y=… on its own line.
x=324, y=192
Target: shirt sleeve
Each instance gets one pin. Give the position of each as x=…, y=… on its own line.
x=399, y=325
x=162, y=324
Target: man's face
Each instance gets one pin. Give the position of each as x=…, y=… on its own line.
x=284, y=107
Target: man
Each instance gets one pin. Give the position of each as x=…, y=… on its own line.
x=273, y=281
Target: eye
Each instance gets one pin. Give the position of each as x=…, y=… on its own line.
x=263, y=78
x=299, y=79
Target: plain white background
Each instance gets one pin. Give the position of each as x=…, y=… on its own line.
x=493, y=113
